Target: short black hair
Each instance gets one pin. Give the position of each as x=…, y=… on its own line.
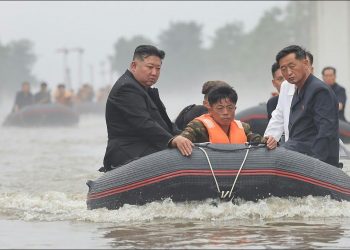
x=331, y=68
x=299, y=52
x=310, y=56
x=143, y=51
x=209, y=85
x=222, y=92
x=274, y=68
x=43, y=84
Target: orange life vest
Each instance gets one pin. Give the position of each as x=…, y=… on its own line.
x=217, y=135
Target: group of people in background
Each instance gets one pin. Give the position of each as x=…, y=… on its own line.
x=60, y=95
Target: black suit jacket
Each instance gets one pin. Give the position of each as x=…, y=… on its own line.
x=313, y=122
x=188, y=114
x=137, y=122
x=271, y=105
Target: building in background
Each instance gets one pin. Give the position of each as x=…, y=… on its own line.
x=330, y=39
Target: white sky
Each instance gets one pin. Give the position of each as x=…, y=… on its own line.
x=96, y=25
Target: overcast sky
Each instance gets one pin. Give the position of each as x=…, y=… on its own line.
x=96, y=25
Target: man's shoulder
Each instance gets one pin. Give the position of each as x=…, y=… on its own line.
x=126, y=83
x=339, y=87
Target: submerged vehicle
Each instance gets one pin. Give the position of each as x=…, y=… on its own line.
x=52, y=114
x=256, y=117
x=217, y=171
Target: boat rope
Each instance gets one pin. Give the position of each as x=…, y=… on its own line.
x=239, y=171
x=211, y=168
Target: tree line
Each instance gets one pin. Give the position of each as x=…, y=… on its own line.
x=235, y=55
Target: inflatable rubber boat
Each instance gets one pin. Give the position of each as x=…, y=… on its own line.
x=257, y=118
x=51, y=114
x=217, y=171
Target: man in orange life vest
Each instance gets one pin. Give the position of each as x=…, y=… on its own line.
x=218, y=126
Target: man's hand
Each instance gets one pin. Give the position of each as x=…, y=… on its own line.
x=183, y=144
x=271, y=143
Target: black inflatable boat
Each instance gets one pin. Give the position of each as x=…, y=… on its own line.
x=222, y=171
x=43, y=115
x=257, y=118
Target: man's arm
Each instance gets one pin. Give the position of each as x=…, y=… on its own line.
x=195, y=131
x=256, y=138
x=131, y=102
x=326, y=120
x=341, y=98
x=275, y=127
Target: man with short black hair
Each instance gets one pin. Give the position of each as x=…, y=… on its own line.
x=192, y=111
x=43, y=96
x=279, y=120
x=218, y=125
x=329, y=77
x=24, y=97
x=137, y=122
x=277, y=79
x=313, y=120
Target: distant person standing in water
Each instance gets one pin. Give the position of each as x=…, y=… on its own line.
x=23, y=97
x=136, y=119
x=329, y=77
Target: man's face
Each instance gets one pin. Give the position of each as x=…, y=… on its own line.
x=294, y=70
x=26, y=88
x=147, y=71
x=277, y=79
x=329, y=77
x=223, y=112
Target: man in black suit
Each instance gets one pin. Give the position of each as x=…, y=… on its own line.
x=313, y=121
x=137, y=122
x=329, y=77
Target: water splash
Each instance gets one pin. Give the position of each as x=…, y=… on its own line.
x=58, y=206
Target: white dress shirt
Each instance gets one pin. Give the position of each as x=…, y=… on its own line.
x=280, y=116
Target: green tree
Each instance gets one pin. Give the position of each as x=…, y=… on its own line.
x=298, y=22
x=124, y=50
x=225, y=51
x=16, y=62
x=184, y=61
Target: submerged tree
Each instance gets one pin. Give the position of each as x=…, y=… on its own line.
x=16, y=62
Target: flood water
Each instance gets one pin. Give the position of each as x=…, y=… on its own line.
x=43, y=204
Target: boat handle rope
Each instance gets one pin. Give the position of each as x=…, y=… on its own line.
x=211, y=168
x=223, y=193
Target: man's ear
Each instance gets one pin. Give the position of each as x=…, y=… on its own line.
x=133, y=66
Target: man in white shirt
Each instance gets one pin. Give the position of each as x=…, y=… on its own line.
x=280, y=116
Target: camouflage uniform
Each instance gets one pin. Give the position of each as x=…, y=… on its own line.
x=196, y=132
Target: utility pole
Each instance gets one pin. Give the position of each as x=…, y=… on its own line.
x=80, y=62
x=66, y=70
